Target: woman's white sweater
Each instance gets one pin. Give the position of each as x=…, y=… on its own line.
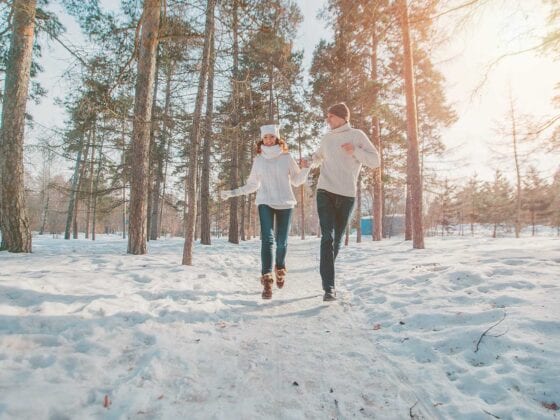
x=271, y=176
x=339, y=170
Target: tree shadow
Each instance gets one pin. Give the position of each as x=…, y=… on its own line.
x=25, y=297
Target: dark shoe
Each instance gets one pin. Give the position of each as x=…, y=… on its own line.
x=280, y=276
x=267, y=280
x=329, y=296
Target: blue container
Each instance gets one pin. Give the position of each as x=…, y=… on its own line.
x=367, y=225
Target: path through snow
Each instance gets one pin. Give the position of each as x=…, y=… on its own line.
x=81, y=320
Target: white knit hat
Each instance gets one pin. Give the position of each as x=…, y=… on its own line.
x=270, y=129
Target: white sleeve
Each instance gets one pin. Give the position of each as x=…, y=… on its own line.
x=253, y=182
x=366, y=152
x=318, y=157
x=297, y=176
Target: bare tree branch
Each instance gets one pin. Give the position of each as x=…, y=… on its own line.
x=486, y=332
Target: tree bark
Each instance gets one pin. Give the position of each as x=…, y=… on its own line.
x=233, y=233
x=82, y=172
x=242, y=199
x=413, y=170
x=123, y=163
x=137, y=234
x=377, y=233
x=517, y=170
x=407, y=216
x=359, y=209
x=45, y=193
x=90, y=192
x=191, y=184
x=73, y=189
x=153, y=154
x=161, y=158
x=302, y=188
x=16, y=232
x=96, y=187
x=205, y=234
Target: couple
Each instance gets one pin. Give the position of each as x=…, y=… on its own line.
x=340, y=156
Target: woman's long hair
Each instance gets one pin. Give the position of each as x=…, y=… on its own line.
x=279, y=141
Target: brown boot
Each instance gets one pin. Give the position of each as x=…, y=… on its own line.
x=267, y=280
x=280, y=276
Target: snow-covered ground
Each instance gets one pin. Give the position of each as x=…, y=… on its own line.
x=87, y=331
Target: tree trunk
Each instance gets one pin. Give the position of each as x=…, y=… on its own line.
x=82, y=172
x=205, y=234
x=271, y=94
x=73, y=189
x=44, y=215
x=139, y=179
x=153, y=154
x=250, y=232
x=377, y=233
x=517, y=170
x=302, y=188
x=90, y=192
x=233, y=234
x=164, y=180
x=95, y=196
x=123, y=163
x=359, y=210
x=16, y=233
x=413, y=170
x=190, y=184
x=407, y=216
x=161, y=158
x=242, y=199
x=45, y=192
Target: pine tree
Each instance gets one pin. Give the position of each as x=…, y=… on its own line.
x=536, y=199
x=414, y=181
x=497, y=202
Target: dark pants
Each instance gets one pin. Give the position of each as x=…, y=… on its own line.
x=267, y=215
x=334, y=212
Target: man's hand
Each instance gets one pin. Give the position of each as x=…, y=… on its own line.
x=303, y=163
x=348, y=148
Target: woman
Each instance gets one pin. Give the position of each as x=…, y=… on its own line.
x=273, y=171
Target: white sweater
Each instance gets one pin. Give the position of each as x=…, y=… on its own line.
x=339, y=170
x=272, y=177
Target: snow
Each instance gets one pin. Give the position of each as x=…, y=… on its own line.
x=84, y=325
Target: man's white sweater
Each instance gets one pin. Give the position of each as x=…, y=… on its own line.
x=340, y=170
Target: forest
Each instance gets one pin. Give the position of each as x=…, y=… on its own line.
x=167, y=98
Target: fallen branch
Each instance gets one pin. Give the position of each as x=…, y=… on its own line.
x=490, y=414
x=486, y=332
x=413, y=416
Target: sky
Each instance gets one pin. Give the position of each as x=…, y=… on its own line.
x=492, y=32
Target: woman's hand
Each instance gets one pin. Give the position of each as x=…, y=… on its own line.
x=303, y=163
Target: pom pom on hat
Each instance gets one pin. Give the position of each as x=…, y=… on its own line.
x=270, y=129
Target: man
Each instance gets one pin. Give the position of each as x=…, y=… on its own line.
x=341, y=154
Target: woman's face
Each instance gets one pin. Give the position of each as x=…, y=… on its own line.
x=269, y=140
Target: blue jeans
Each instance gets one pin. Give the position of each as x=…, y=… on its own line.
x=268, y=233
x=334, y=212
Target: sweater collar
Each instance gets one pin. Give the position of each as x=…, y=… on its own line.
x=343, y=127
x=271, y=152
